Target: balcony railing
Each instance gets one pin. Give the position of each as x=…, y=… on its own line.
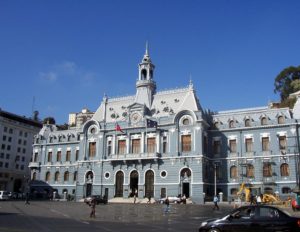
x=34, y=165
x=131, y=156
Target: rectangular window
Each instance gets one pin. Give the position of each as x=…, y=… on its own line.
x=121, y=147
x=186, y=143
x=109, y=150
x=136, y=146
x=58, y=156
x=151, y=145
x=50, y=156
x=4, y=138
x=216, y=146
x=92, y=149
x=265, y=144
x=68, y=156
x=232, y=145
x=282, y=142
x=77, y=155
x=249, y=145
x=165, y=144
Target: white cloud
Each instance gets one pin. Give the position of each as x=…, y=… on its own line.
x=48, y=76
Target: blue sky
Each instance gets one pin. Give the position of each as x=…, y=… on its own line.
x=66, y=54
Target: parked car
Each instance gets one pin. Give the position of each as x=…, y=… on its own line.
x=253, y=218
x=99, y=199
x=176, y=200
x=4, y=195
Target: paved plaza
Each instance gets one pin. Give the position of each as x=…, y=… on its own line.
x=48, y=216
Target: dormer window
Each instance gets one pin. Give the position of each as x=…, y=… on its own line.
x=264, y=121
x=280, y=120
x=216, y=125
x=247, y=123
x=231, y=124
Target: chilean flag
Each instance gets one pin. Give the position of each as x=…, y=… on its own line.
x=118, y=128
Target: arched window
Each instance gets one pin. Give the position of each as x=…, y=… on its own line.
x=233, y=191
x=233, y=172
x=56, y=176
x=267, y=170
x=75, y=176
x=284, y=170
x=231, y=124
x=47, y=177
x=286, y=190
x=144, y=74
x=250, y=171
x=186, y=121
x=66, y=176
x=34, y=176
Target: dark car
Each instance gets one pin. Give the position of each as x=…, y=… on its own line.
x=99, y=199
x=253, y=218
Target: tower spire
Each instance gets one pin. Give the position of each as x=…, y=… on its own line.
x=147, y=49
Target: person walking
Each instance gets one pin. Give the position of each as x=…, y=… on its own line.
x=167, y=203
x=93, y=208
x=27, y=199
x=216, y=200
x=149, y=199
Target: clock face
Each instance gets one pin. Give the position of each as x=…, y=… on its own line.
x=135, y=117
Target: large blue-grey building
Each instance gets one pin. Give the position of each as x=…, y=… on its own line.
x=162, y=143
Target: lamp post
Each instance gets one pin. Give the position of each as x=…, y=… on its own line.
x=215, y=177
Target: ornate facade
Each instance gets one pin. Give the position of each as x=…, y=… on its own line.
x=162, y=143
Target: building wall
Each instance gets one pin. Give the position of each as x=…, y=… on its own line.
x=16, y=139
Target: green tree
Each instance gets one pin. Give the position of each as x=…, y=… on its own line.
x=287, y=82
x=49, y=120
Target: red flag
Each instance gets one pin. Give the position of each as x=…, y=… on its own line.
x=118, y=128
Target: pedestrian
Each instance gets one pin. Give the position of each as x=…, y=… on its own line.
x=134, y=196
x=216, y=199
x=258, y=200
x=149, y=199
x=167, y=203
x=27, y=199
x=93, y=208
x=184, y=199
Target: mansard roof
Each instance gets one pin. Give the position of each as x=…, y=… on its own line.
x=165, y=103
x=253, y=113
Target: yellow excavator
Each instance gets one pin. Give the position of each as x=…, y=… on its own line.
x=244, y=193
x=270, y=198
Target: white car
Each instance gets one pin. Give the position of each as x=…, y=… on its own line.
x=175, y=200
x=4, y=195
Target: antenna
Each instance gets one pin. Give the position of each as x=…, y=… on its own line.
x=32, y=107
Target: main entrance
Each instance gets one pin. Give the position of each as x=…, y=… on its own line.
x=119, y=184
x=185, y=178
x=149, y=184
x=134, y=183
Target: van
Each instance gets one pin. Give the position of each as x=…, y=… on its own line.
x=4, y=195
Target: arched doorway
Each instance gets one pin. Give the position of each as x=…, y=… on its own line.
x=119, y=184
x=149, y=183
x=185, y=178
x=134, y=182
x=89, y=177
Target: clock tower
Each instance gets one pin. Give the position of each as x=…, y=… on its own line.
x=145, y=85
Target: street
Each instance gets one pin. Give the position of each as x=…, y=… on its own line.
x=48, y=216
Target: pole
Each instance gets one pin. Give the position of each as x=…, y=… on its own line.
x=298, y=158
x=215, y=179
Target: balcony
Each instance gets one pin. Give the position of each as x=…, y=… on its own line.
x=131, y=156
x=34, y=165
